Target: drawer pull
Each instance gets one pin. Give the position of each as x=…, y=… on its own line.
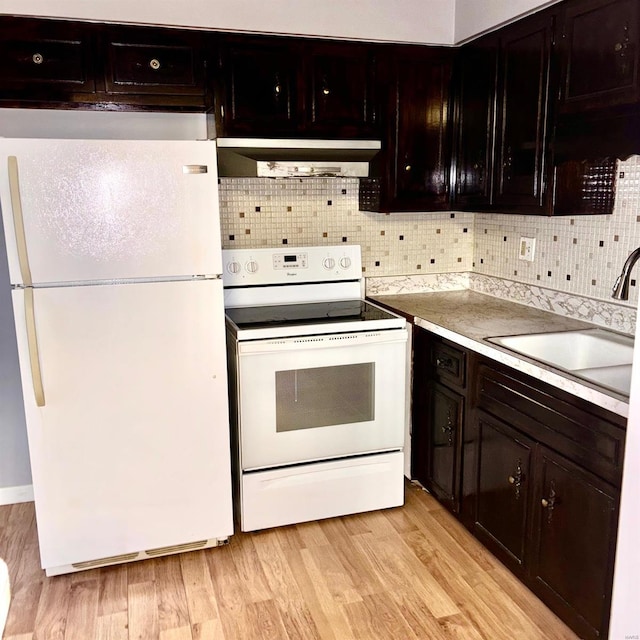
x=37, y=58
x=154, y=63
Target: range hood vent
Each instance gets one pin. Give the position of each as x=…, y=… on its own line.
x=275, y=158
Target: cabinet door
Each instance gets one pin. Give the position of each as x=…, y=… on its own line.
x=521, y=158
x=503, y=477
x=259, y=87
x=149, y=61
x=476, y=75
x=45, y=59
x=340, y=82
x=600, y=54
x=421, y=135
x=575, y=520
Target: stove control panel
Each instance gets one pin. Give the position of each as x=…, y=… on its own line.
x=246, y=267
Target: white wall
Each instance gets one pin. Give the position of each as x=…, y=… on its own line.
x=473, y=17
x=15, y=472
x=386, y=20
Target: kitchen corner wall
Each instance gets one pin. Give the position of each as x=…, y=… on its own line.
x=579, y=255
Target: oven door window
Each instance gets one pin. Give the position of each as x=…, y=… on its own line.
x=325, y=396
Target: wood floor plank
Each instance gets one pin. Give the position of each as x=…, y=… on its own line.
x=201, y=597
x=113, y=626
x=113, y=590
x=396, y=566
x=229, y=593
x=143, y=611
x=208, y=630
x=26, y=590
x=82, y=614
x=179, y=633
x=250, y=570
x=173, y=611
x=265, y=620
x=336, y=577
x=331, y=612
x=51, y=619
x=378, y=617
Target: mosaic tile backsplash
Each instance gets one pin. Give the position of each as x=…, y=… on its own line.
x=581, y=255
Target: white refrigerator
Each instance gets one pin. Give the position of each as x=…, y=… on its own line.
x=115, y=266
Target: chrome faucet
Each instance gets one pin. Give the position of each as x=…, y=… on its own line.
x=621, y=287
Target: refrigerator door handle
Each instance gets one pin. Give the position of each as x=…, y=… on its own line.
x=18, y=221
x=32, y=342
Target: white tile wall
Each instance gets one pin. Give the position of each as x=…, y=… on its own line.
x=265, y=212
x=581, y=255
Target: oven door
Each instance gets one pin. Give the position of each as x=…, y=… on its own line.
x=321, y=397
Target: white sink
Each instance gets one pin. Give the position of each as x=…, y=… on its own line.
x=602, y=356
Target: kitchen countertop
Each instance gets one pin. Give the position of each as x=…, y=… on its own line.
x=468, y=318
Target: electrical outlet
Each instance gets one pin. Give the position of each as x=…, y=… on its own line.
x=527, y=249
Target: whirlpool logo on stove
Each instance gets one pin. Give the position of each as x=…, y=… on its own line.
x=292, y=274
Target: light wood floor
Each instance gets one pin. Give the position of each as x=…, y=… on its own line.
x=401, y=574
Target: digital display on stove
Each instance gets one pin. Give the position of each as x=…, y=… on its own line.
x=291, y=258
x=311, y=313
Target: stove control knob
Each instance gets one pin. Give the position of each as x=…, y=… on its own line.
x=345, y=262
x=328, y=263
x=251, y=266
x=233, y=267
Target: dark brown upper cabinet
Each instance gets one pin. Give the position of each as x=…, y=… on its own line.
x=273, y=86
x=523, y=116
x=416, y=155
x=46, y=61
x=258, y=87
x=600, y=54
x=340, y=90
x=151, y=62
x=474, y=103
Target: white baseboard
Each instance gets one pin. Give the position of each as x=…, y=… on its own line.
x=13, y=495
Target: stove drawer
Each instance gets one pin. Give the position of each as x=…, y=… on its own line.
x=319, y=490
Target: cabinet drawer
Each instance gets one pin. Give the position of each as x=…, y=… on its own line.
x=448, y=364
x=135, y=65
x=44, y=56
x=589, y=436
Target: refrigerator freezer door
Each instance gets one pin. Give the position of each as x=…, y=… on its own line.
x=111, y=209
x=130, y=451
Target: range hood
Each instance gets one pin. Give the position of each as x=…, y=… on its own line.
x=286, y=158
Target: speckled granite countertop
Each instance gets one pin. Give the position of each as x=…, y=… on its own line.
x=468, y=318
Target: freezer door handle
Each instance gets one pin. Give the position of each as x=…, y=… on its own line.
x=18, y=221
x=32, y=342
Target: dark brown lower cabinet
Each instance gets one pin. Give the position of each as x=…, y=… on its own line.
x=574, y=526
x=503, y=483
x=436, y=465
x=549, y=520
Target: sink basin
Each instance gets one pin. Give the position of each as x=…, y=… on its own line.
x=597, y=355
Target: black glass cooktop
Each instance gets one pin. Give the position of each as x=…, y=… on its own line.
x=308, y=313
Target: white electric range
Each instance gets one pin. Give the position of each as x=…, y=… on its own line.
x=317, y=379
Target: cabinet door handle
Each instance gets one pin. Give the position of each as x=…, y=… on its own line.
x=277, y=87
x=516, y=479
x=325, y=86
x=549, y=502
x=37, y=58
x=444, y=363
x=154, y=63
